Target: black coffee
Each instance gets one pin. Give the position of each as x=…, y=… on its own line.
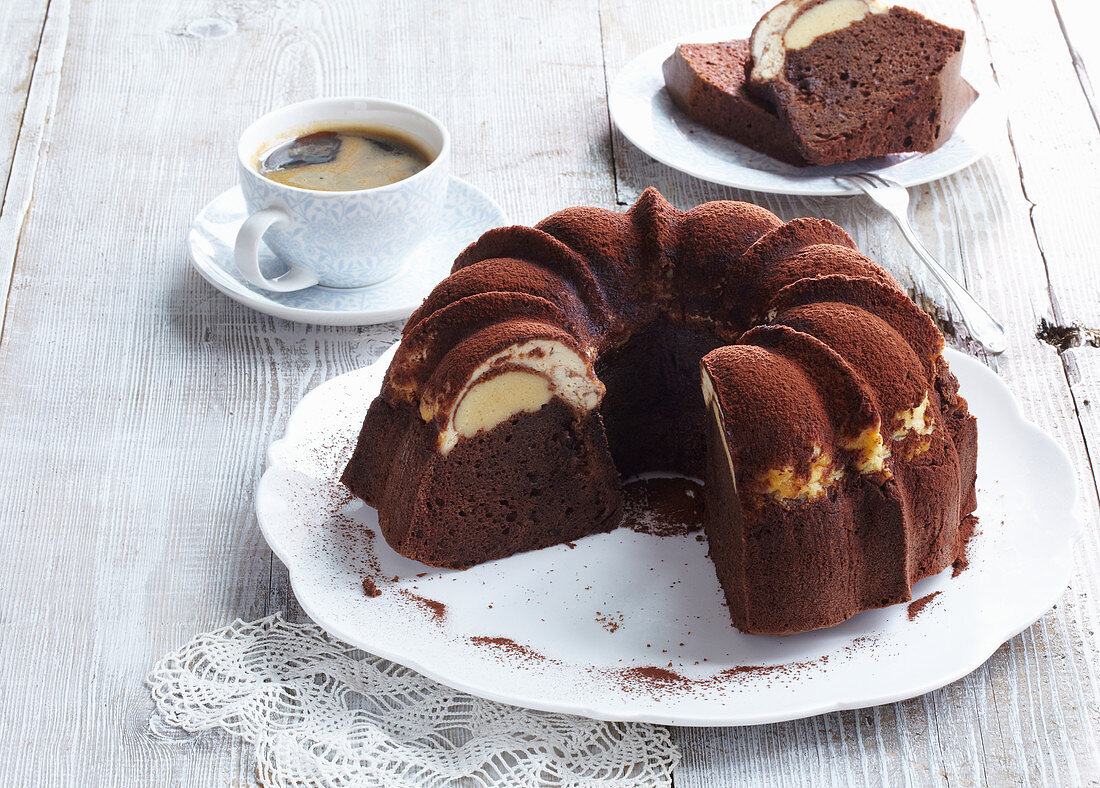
x=344, y=159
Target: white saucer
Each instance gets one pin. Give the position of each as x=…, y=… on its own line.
x=467, y=214
x=643, y=111
x=560, y=629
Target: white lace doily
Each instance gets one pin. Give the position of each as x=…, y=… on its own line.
x=319, y=712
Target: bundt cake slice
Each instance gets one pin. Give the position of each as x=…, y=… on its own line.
x=838, y=458
x=858, y=78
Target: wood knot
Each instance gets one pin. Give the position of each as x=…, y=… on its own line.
x=207, y=27
x=1062, y=338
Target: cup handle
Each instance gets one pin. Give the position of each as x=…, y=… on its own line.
x=246, y=253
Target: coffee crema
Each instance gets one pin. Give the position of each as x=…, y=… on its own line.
x=344, y=159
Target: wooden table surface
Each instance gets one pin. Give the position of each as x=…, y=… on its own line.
x=136, y=402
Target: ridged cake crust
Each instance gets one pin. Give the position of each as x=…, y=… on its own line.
x=839, y=459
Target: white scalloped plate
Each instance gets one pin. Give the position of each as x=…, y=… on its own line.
x=644, y=113
x=584, y=616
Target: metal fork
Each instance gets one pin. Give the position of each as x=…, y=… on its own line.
x=894, y=197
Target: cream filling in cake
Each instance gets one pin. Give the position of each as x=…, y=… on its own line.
x=917, y=419
x=519, y=379
x=795, y=24
x=783, y=484
x=871, y=451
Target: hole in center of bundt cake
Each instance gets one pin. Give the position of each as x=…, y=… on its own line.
x=653, y=410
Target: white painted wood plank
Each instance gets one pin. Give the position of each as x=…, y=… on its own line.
x=34, y=45
x=1057, y=149
x=137, y=402
x=1057, y=146
x=21, y=21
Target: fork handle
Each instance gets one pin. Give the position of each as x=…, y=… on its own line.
x=983, y=327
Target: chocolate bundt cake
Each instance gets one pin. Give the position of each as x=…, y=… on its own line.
x=772, y=360
x=828, y=81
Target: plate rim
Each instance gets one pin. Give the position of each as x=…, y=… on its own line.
x=989, y=94
x=245, y=296
x=977, y=656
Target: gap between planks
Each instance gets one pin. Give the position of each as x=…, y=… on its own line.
x=38, y=107
x=1078, y=62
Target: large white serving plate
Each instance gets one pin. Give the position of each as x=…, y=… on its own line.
x=645, y=114
x=564, y=602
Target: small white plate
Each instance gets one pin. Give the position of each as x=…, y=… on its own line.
x=577, y=619
x=467, y=214
x=643, y=111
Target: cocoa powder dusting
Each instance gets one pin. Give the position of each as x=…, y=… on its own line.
x=917, y=605
x=436, y=609
x=784, y=669
x=650, y=677
x=609, y=621
x=663, y=680
x=363, y=536
x=508, y=646
x=738, y=670
x=967, y=529
x=663, y=507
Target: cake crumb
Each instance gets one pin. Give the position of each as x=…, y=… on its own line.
x=370, y=589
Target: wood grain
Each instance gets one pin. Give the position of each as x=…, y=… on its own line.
x=136, y=402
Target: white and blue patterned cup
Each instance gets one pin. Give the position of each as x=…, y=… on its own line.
x=338, y=238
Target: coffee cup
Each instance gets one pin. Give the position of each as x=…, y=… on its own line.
x=348, y=238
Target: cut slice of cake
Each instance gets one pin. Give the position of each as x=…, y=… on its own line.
x=856, y=78
x=707, y=83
